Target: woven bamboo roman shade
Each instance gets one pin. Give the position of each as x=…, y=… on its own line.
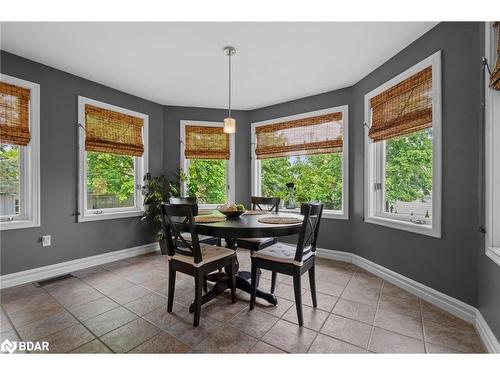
x=206, y=142
x=307, y=136
x=113, y=132
x=404, y=108
x=14, y=114
x=495, y=75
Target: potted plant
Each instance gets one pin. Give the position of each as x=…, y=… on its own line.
x=157, y=190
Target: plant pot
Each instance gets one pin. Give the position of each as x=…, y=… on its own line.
x=163, y=246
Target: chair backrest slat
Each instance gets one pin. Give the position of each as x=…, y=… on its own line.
x=308, y=235
x=271, y=202
x=178, y=218
x=185, y=200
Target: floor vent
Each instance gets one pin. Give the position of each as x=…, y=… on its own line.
x=41, y=283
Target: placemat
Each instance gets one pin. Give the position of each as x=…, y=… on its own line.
x=209, y=219
x=204, y=212
x=255, y=212
x=279, y=220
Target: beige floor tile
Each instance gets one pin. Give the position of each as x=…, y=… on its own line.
x=289, y=337
x=264, y=348
x=348, y=330
x=329, y=288
x=110, y=320
x=162, y=343
x=399, y=323
x=392, y=290
x=368, y=296
x=68, y=339
x=223, y=309
x=4, y=323
x=93, y=347
x=400, y=305
x=77, y=297
x=255, y=323
x=12, y=304
x=455, y=337
x=355, y=310
x=226, y=340
x=155, y=284
x=286, y=291
x=313, y=318
x=43, y=310
x=127, y=337
x=435, y=314
x=46, y=327
x=438, y=349
x=278, y=310
x=113, y=286
x=129, y=294
x=184, y=330
x=383, y=341
x=163, y=319
x=327, y=344
x=146, y=304
x=93, y=308
x=325, y=301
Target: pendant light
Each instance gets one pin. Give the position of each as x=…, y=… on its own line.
x=229, y=122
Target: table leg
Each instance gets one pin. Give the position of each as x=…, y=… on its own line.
x=243, y=282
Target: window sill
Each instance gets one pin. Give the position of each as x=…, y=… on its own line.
x=18, y=224
x=494, y=254
x=426, y=230
x=327, y=214
x=109, y=215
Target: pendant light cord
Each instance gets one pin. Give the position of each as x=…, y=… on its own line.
x=229, y=84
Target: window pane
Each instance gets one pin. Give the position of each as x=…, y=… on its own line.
x=408, y=176
x=207, y=181
x=110, y=180
x=317, y=178
x=9, y=180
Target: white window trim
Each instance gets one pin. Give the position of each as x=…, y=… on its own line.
x=29, y=162
x=370, y=177
x=492, y=155
x=230, y=173
x=141, y=167
x=255, y=163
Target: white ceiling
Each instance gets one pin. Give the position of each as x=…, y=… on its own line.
x=183, y=63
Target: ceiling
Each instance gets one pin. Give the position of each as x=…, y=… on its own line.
x=183, y=63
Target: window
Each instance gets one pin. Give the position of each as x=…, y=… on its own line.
x=113, y=158
x=403, y=150
x=207, y=163
x=310, y=151
x=492, y=140
x=19, y=153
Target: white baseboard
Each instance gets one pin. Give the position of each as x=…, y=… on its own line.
x=452, y=305
x=41, y=273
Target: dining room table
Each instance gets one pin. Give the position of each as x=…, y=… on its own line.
x=245, y=226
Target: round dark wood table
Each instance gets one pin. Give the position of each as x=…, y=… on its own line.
x=246, y=226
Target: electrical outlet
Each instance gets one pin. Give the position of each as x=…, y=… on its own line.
x=46, y=240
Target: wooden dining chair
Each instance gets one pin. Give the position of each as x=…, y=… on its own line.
x=292, y=260
x=271, y=204
x=192, y=257
x=194, y=201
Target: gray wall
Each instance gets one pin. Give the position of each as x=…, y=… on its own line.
x=20, y=248
x=173, y=116
x=448, y=264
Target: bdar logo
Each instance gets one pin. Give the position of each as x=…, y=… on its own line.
x=8, y=346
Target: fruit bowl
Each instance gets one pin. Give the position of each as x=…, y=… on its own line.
x=232, y=211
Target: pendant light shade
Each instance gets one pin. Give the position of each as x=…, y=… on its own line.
x=229, y=122
x=229, y=125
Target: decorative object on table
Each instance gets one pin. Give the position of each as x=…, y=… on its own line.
x=232, y=211
x=290, y=202
x=204, y=211
x=157, y=190
x=229, y=122
x=279, y=220
x=208, y=219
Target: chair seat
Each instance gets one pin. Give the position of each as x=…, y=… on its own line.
x=209, y=253
x=256, y=243
x=281, y=253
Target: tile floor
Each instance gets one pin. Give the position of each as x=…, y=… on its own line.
x=121, y=307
